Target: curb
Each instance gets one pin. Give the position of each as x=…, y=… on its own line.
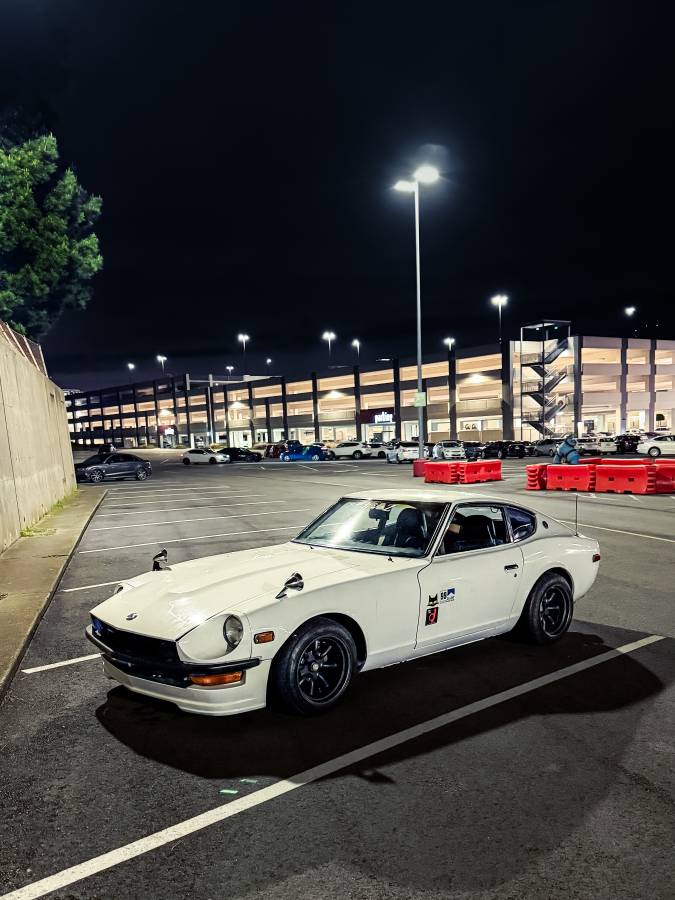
x=7, y=674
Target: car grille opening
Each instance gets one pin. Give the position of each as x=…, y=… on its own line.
x=136, y=645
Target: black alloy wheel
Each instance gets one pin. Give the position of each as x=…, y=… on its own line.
x=141, y=474
x=548, y=611
x=96, y=476
x=314, y=669
x=213, y=461
x=357, y=454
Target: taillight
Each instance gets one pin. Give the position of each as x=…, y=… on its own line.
x=596, y=557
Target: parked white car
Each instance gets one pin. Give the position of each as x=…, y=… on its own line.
x=448, y=450
x=404, y=451
x=599, y=444
x=664, y=445
x=377, y=579
x=205, y=455
x=351, y=450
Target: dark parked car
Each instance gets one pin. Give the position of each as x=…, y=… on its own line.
x=243, y=454
x=472, y=450
x=546, y=446
x=627, y=443
x=503, y=450
x=274, y=451
x=113, y=465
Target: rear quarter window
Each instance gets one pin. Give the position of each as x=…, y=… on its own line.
x=523, y=524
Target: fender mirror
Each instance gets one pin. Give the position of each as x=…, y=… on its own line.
x=295, y=583
x=159, y=562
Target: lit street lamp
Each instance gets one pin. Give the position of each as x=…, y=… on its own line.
x=161, y=360
x=330, y=337
x=449, y=343
x=230, y=369
x=424, y=175
x=242, y=338
x=357, y=346
x=131, y=366
x=630, y=311
x=268, y=361
x=500, y=300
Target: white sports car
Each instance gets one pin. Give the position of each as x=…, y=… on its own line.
x=375, y=580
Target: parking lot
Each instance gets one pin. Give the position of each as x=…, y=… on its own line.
x=496, y=770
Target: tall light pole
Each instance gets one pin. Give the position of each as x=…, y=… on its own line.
x=356, y=344
x=242, y=338
x=161, y=360
x=423, y=175
x=268, y=362
x=449, y=343
x=229, y=371
x=500, y=300
x=330, y=337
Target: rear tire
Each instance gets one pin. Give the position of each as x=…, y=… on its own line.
x=357, y=454
x=548, y=611
x=314, y=668
x=654, y=452
x=96, y=476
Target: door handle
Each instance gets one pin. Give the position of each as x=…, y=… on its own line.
x=512, y=566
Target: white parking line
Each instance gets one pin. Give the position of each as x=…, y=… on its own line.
x=649, y=537
x=66, y=662
x=73, y=874
x=173, y=490
x=87, y=587
x=201, y=537
x=273, y=512
x=136, y=512
x=116, y=503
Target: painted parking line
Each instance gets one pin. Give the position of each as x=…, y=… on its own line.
x=201, y=537
x=58, y=665
x=649, y=537
x=89, y=587
x=273, y=512
x=153, y=841
x=136, y=512
x=174, y=490
x=182, y=497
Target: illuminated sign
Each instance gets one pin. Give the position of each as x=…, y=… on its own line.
x=383, y=416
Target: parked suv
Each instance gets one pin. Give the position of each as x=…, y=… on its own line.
x=449, y=450
x=351, y=449
x=546, y=446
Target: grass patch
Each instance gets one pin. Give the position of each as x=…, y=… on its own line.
x=38, y=530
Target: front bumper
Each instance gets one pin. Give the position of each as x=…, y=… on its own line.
x=171, y=681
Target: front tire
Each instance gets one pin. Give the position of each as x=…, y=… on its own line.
x=316, y=457
x=186, y=462
x=654, y=452
x=548, y=611
x=212, y=461
x=141, y=475
x=357, y=454
x=96, y=476
x=315, y=667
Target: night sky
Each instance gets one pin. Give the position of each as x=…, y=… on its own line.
x=245, y=155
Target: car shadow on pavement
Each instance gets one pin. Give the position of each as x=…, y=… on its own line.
x=485, y=797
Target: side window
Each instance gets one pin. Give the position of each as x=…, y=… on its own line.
x=115, y=458
x=475, y=528
x=523, y=524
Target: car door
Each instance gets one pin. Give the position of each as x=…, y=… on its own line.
x=115, y=466
x=471, y=584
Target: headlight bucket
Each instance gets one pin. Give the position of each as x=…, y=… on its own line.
x=233, y=631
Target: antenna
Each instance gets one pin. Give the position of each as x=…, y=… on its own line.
x=576, y=514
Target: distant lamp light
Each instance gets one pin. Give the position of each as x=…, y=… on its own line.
x=426, y=174
x=630, y=310
x=406, y=187
x=268, y=361
x=131, y=366
x=499, y=300
x=161, y=360
x=449, y=343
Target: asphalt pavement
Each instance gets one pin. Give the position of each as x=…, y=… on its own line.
x=498, y=770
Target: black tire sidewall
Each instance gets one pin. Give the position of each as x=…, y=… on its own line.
x=186, y=462
x=529, y=620
x=284, y=666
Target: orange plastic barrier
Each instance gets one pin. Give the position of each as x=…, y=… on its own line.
x=536, y=477
x=571, y=478
x=624, y=462
x=485, y=470
x=440, y=472
x=613, y=479
x=418, y=467
x=664, y=476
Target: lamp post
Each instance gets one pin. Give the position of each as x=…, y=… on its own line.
x=229, y=369
x=330, y=337
x=242, y=338
x=630, y=312
x=424, y=175
x=268, y=362
x=500, y=300
x=356, y=344
x=161, y=360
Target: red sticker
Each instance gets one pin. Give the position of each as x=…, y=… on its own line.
x=432, y=615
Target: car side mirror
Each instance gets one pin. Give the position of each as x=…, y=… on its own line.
x=295, y=583
x=159, y=562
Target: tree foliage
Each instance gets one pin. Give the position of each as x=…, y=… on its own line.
x=49, y=252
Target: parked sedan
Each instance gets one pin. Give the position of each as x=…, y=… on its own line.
x=664, y=445
x=205, y=456
x=503, y=450
x=351, y=450
x=113, y=465
x=312, y=453
x=546, y=446
x=375, y=580
x=627, y=443
x=243, y=454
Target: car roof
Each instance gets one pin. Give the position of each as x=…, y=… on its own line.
x=437, y=496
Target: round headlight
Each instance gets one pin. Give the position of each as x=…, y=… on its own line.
x=233, y=631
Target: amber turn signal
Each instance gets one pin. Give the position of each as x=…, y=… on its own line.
x=224, y=678
x=263, y=637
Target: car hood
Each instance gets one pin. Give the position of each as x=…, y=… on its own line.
x=170, y=603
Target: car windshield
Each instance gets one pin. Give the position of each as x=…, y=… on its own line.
x=388, y=527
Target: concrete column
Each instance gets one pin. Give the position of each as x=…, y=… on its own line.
x=452, y=394
x=396, y=378
x=208, y=396
x=623, y=386
x=284, y=408
x=158, y=439
x=251, y=416
x=138, y=431
x=315, y=407
x=226, y=405
x=268, y=419
x=651, y=387
x=357, y=403
x=187, y=409
x=507, y=392
x=425, y=414
x=578, y=384
x=119, y=413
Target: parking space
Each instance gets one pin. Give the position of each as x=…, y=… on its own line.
x=496, y=770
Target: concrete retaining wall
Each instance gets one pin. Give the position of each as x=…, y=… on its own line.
x=36, y=465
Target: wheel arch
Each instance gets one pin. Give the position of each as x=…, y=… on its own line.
x=556, y=569
x=347, y=622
